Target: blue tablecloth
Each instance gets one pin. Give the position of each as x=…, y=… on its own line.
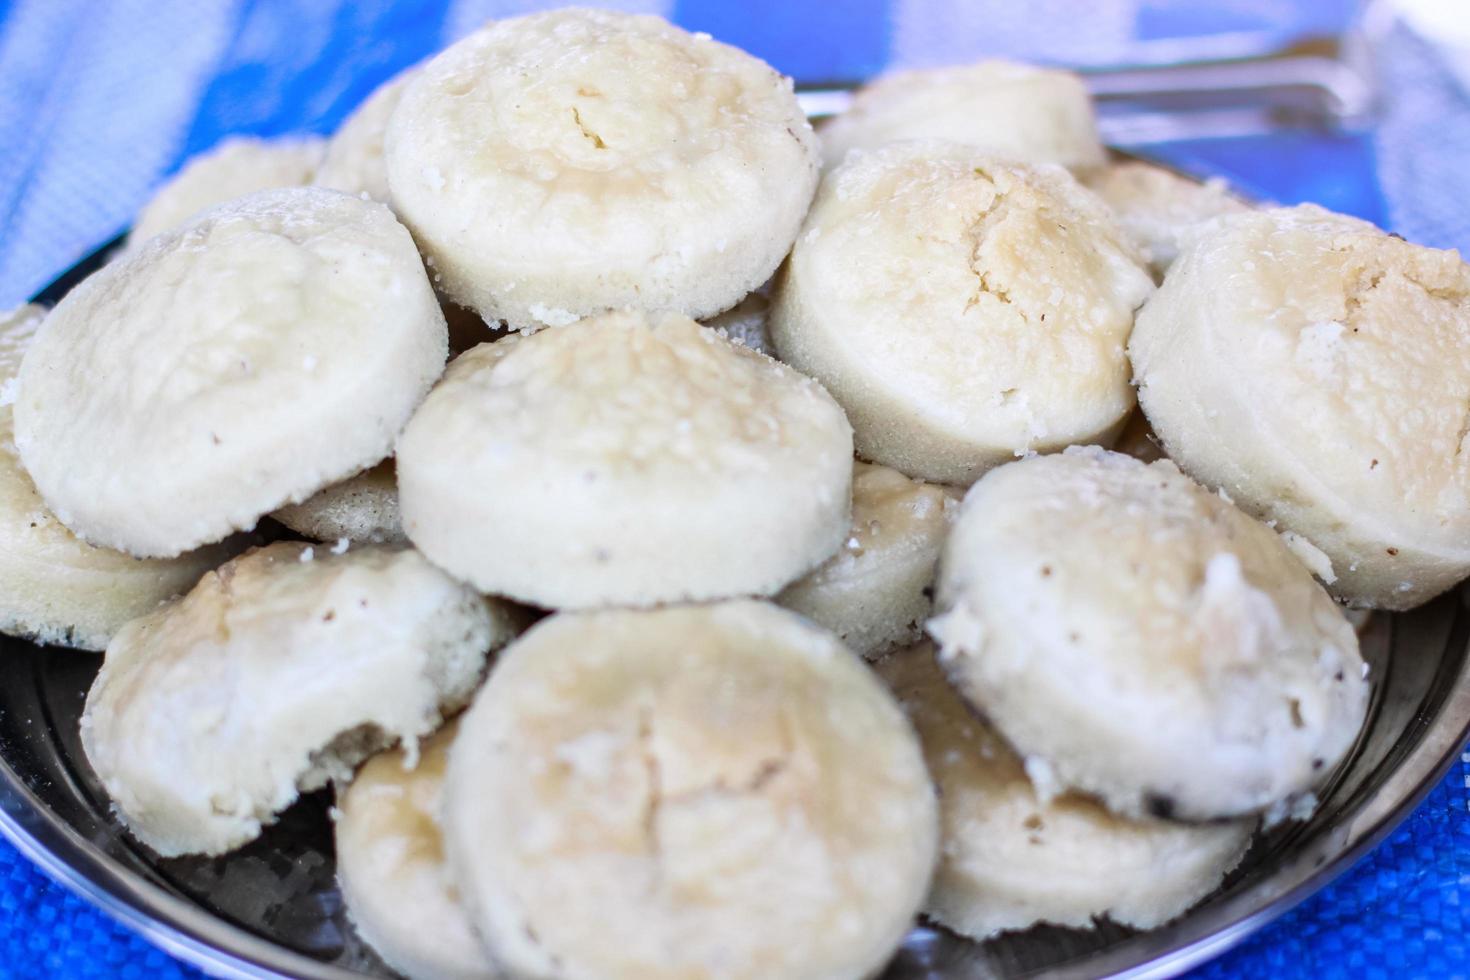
x=99, y=100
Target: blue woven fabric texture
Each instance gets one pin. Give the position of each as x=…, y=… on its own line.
x=101, y=99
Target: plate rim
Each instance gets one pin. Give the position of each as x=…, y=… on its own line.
x=220, y=948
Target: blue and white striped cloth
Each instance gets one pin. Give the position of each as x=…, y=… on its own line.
x=101, y=99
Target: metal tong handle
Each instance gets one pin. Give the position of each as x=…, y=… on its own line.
x=1309, y=86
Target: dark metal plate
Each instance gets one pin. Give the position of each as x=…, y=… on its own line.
x=273, y=908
